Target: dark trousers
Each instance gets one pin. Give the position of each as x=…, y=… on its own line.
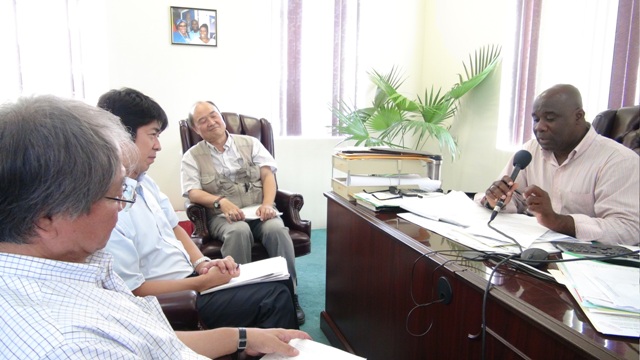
x=263, y=305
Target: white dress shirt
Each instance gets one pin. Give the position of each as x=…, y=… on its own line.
x=60, y=310
x=598, y=185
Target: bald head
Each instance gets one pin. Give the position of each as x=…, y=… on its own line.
x=566, y=94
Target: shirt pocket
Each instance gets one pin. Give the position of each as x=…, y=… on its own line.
x=207, y=179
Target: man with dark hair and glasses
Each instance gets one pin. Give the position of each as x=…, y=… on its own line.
x=61, y=190
x=155, y=255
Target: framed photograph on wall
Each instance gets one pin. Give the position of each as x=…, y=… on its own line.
x=191, y=26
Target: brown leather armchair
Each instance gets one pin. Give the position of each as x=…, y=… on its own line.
x=180, y=309
x=622, y=125
x=287, y=202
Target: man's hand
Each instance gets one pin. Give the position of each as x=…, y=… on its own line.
x=231, y=211
x=214, y=277
x=539, y=204
x=501, y=189
x=266, y=212
x=267, y=341
x=226, y=265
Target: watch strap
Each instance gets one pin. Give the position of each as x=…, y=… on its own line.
x=242, y=338
x=200, y=261
x=216, y=204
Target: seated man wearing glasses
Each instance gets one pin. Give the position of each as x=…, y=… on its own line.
x=59, y=297
x=155, y=255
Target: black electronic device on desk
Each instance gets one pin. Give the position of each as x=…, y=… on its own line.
x=614, y=254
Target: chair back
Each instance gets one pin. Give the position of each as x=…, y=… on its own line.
x=621, y=125
x=236, y=124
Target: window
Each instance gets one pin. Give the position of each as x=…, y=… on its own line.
x=318, y=63
x=43, y=41
x=567, y=41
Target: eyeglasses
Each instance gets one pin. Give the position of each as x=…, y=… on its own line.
x=129, y=195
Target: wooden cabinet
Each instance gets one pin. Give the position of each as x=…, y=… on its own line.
x=382, y=270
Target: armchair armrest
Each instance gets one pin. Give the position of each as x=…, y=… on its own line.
x=198, y=216
x=289, y=204
x=180, y=309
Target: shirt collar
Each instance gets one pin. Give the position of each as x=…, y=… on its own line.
x=94, y=270
x=580, y=149
x=227, y=145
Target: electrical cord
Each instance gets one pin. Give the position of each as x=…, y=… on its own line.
x=418, y=305
x=505, y=235
x=484, y=302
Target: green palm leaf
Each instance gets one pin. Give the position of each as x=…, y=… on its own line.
x=483, y=63
x=393, y=118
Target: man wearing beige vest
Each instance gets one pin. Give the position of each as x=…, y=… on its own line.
x=227, y=172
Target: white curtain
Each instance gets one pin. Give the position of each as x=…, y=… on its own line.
x=589, y=44
x=318, y=64
x=41, y=49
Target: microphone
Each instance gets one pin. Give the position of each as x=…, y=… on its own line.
x=520, y=161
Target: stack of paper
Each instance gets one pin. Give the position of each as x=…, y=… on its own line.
x=272, y=269
x=608, y=294
x=459, y=218
x=250, y=212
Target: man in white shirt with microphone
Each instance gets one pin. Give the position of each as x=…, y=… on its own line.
x=578, y=183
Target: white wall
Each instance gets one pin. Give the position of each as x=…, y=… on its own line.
x=455, y=29
x=428, y=39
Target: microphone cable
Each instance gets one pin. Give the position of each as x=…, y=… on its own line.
x=413, y=298
x=505, y=235
x=484, y=302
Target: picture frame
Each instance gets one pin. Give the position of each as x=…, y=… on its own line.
x=185, y=22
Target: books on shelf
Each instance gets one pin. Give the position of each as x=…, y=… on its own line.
x=271, y=269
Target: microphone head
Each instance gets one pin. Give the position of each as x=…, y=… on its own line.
x=521, y=159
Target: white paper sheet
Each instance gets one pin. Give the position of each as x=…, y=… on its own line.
x=311, y=350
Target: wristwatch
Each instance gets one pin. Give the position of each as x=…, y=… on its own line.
x=200, y=261
x=242, y=338
x=216, y=204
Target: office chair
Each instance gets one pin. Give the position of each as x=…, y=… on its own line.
x=287, y=202
x=621, y=125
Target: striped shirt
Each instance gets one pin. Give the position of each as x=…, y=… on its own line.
x=59, y=310
x=598, y=185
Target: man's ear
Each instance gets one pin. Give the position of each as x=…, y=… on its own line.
x=46, y=227
x=579, y=115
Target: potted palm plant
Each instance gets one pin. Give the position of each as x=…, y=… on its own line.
x=396, y=121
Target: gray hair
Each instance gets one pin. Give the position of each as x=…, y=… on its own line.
x=191, y=120
x=57, y=156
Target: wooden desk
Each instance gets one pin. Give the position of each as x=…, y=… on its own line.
x=370, y=276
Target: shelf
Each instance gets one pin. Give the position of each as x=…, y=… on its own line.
x=344, y=168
